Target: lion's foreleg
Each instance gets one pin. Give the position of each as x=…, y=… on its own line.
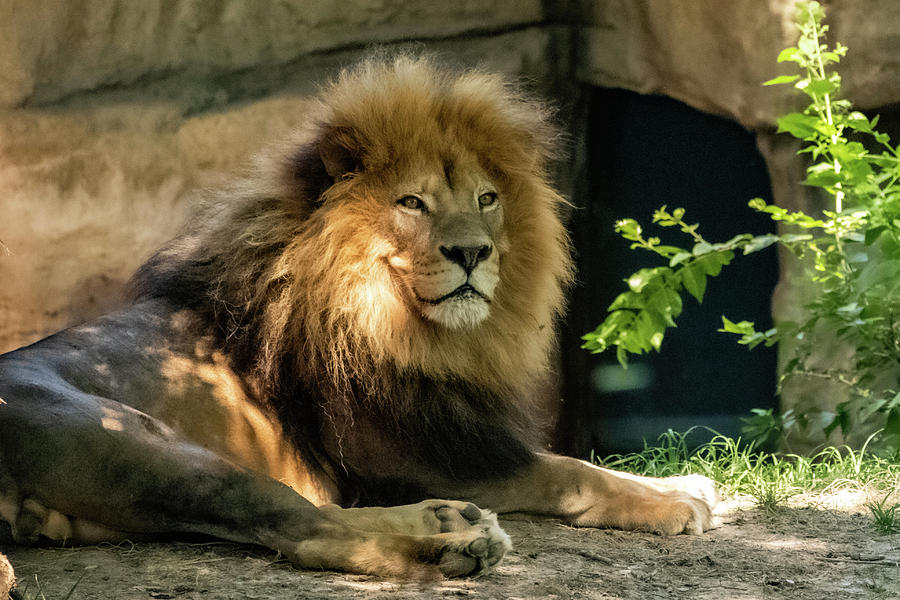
x=91, y=460
x=586, y=495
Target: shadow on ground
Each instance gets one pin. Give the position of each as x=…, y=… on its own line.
x=797, y=553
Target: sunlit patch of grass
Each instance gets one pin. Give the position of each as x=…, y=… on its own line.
x=770, y=479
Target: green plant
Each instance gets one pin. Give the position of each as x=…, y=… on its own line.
x=772, y=495
x=768, y=427
x=850, y=253
x=885, y=519
x=741, y=469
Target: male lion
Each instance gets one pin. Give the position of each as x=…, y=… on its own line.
x=362, y=321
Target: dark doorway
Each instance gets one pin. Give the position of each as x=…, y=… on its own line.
x=643, y=152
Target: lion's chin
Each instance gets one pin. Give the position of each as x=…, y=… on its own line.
x=463, y=312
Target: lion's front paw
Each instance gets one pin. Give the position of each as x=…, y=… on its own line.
x=473, y=551
x=666, y=513
x=698, y=486
x=682, y=512
x=332, y=545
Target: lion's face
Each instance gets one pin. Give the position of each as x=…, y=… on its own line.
x=446, y=225
x=422, y=234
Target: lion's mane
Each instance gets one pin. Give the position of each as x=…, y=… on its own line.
x=287, y=265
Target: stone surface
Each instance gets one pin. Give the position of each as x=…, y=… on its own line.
x=706, y=54
x=49, y=50
x=714, y=56
x=87, y=194
x=871, y=30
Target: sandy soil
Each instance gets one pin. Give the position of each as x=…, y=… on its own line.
x=816, y=549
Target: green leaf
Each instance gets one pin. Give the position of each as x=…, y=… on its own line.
x=808, y=46
x=793, y=238
x=859, y=122
x=664, y=305
x=782, y=79
x=892, y=424
x=712, y=263
x=873, y=234
x=638, y=280
x=790, y=54
x=839, y=420
x=628, y=228
x=667, y=251
x=757, y=204
x=626, y=301
x=742, y=328
x=779, y=214
x=842, y=419
x=798, y=125
x=822, y=175
x=820, y=87
x=760, y=242
x=871, y=408
x=701, y=248
x=679, y=258
x=737, y=241
x=693, y=275
x=694, y=281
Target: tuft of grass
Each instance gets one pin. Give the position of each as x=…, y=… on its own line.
x=770, y=479
x=885, y=519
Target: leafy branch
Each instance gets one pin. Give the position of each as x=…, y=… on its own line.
x=851, y=252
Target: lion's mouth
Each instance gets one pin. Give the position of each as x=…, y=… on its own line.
x=463, y=292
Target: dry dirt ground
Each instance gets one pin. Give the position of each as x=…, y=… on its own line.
x=817, y=548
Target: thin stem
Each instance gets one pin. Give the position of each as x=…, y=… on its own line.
x=839, y=194
x=690, y=230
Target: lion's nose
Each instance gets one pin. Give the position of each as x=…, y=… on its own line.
x=467, y=257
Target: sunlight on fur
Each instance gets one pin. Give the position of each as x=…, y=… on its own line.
x=359, y=277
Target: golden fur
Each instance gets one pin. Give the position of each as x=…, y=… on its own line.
x=312, y=279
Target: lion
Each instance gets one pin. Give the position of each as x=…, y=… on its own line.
x=356, y=327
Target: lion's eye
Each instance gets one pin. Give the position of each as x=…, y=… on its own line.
x=411, y=202
x=488, y=199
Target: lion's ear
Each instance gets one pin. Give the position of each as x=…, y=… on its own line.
x=341, y=152
x=316, y=166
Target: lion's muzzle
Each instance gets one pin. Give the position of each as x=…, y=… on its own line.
x=467, y=257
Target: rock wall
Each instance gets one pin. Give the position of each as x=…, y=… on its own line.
x=714, y=55
x=52, y=50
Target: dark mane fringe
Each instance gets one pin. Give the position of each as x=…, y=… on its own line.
x=274, y=261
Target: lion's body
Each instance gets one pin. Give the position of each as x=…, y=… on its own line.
x=362, y=320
